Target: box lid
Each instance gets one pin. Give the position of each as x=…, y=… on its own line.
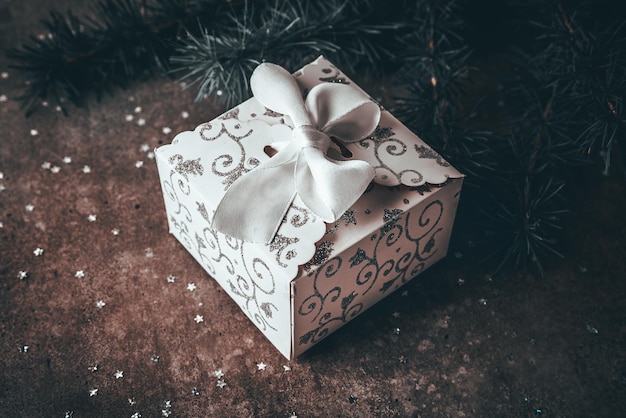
x=213, y=156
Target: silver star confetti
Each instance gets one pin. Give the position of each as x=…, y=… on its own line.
x=67, y=160
x=482, y=301
x=195, y=392
x=191, y=287
x=139, y=164
x=129, y=118
x=218, y=373
x=79, y=274
x=286, y=368
x=144, y=148
x=93, y=368
x=30, y=207
x=55, y=169
x=167, y=130
x=131, y=401
x=22, y=275
x=198, y=319
x=141, y=122
x=24, y=349
x=38, y=251
x=138, y=109
x=136, y=415
x=115, y=231
x=100, y=304
x=86, y=169
x=221, y=383
x=91, y=218
x=119, y=374
x=261, y=366
x=171, y=278
x=93, y=392
x=154, y=358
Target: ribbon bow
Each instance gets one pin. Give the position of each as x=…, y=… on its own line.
x=254, y=206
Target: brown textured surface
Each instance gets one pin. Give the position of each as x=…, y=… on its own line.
x=556, y=344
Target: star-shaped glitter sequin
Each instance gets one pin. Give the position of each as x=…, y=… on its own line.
x=55, y=169
x=171, y=278
x=93, y=392
x=139, y=164
x=198, y=319
x=154, y=358
x=221, y=383
x=30, y=207
x=195, y=392
x=261, y=366
x=144, y=148
x=38, y=251
x=93, y=368
x=100, y=304
x=22, y=274
x=218, y=373
x=86, y=169
x=115, y=231
x=167, y=130
x=136, y=415
x=119, y=374
x=67, y=160
x=91, y=218
x=79, y=274
x=286, y=368
x=191, y=287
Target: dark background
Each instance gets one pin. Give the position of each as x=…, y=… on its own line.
x=452, y=343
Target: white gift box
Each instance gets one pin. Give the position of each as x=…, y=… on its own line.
x=314, y=276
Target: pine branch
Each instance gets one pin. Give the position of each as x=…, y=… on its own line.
x=123, y=41
x=286, y=32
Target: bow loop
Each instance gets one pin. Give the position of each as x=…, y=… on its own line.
x=254, y=206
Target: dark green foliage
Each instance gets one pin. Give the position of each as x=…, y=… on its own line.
x=289, y=33
x=553, y=102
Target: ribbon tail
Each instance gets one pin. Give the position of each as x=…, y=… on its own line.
x=327, y=187
x=254, y=206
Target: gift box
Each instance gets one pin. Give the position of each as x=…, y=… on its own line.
x=316, y=269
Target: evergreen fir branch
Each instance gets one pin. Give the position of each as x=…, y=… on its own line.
x=286, y=32
x=588, y=70
x=122, y=41
x=527, y=238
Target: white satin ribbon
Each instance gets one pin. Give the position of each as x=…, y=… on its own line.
x=254, y=206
